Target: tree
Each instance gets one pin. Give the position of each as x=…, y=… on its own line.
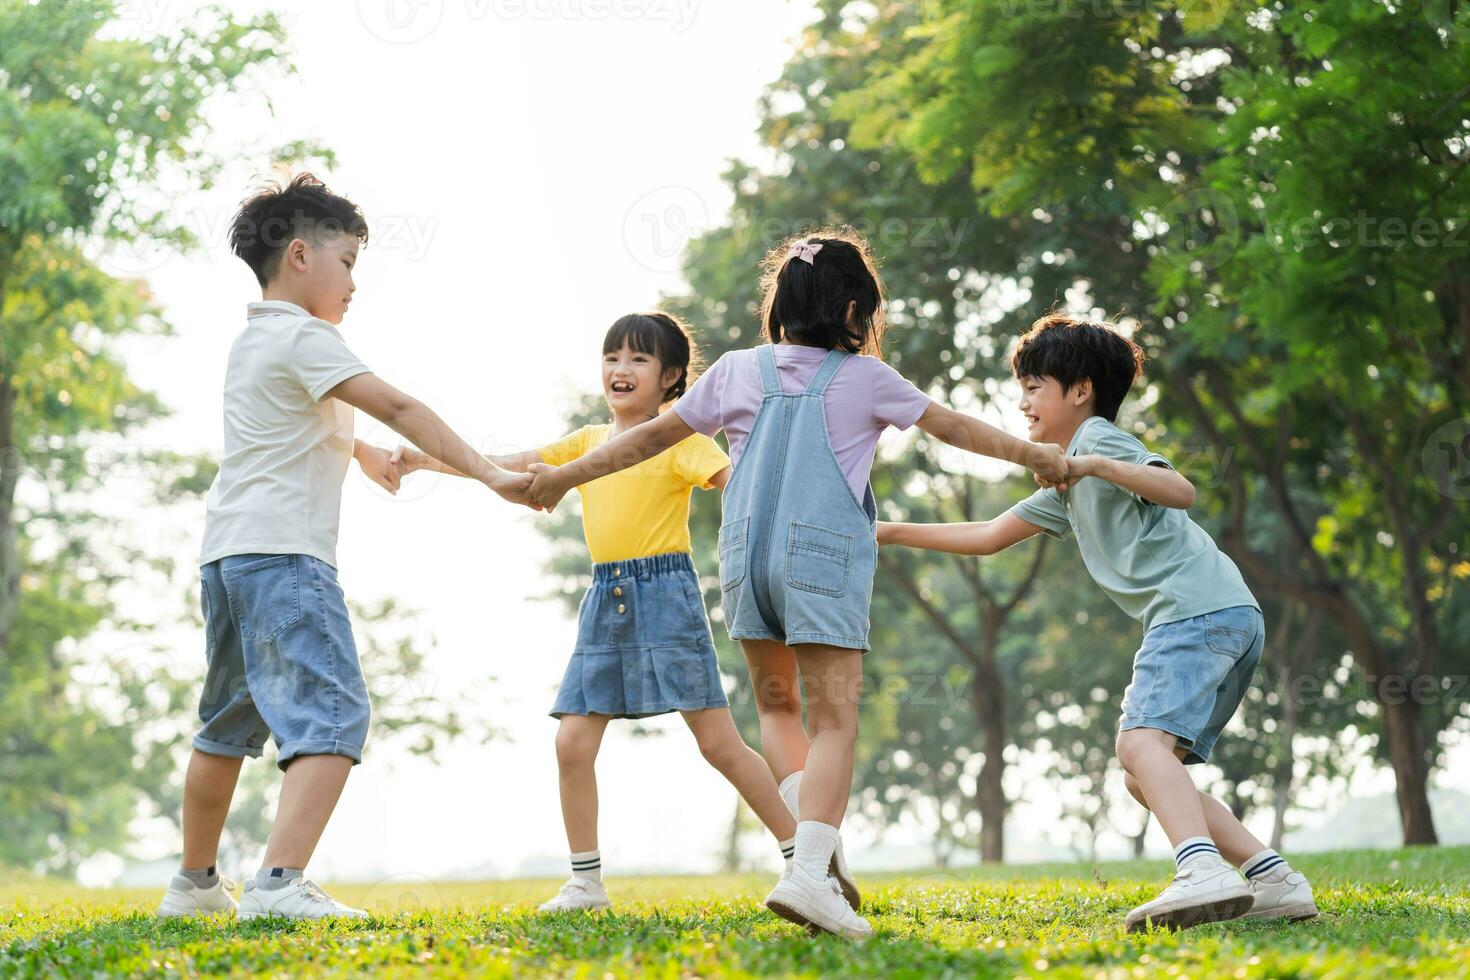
x=1227, y=174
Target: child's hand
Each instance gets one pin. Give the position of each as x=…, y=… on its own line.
x=514, y=487
x=546, y=489
x=1049, y=462
x=408, y=460
x=380, y=466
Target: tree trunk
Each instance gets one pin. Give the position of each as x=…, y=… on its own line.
x=1139, y=837
x=989, y=704
x=1285, y=770
x=730, y=863
x=9, y=476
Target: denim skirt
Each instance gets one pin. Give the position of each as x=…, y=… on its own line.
x=643, y=643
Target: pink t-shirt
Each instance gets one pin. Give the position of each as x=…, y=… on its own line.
x=865, y=397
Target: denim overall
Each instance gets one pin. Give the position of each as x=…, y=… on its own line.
x=797, y=550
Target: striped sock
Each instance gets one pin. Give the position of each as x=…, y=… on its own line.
x=1192, y=849
x=1267, y=865
x=587, y=864
x=788, y=848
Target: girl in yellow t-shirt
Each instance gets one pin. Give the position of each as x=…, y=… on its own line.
x=643, y=640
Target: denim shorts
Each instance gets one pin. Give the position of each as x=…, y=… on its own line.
x=643, y=643
x=1190, y=676
x=281, y=660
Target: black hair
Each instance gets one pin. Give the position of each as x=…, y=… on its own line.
x=1071, y=350
x=662, y=335
x=304, y=208
x=809, y=301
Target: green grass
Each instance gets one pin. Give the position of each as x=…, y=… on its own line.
x=1385, y=914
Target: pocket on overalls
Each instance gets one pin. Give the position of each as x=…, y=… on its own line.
x=733, y=553
x=817, y=559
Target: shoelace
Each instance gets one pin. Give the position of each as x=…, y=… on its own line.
x=228, y=882
x=314, y=890
x=573, y=885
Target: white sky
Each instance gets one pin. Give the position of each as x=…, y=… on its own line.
x=529, y=170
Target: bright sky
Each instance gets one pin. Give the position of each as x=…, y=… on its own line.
x=530, y=169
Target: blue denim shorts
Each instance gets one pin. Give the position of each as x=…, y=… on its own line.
x=281, y=660
x=1189, y=677
x=643, y=643
x=814, y=586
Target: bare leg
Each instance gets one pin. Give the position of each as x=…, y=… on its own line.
x=832, y=678
x=309, y=794
x=724, y=749
x=577, y=742
x=209, y=785
x=1236, y=844
x=1148, y=755
x=774, y=677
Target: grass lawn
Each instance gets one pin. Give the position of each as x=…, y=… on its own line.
x=1384, y=914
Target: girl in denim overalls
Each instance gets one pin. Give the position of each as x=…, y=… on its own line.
x=643, y=640
x=797, y=549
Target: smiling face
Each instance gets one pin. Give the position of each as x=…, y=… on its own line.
x=320, y=273
x=1052, y=414
x=634, y=382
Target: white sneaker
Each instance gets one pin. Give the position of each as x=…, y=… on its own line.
x=578, y=895
x=185, y=898
x=1205, y=891
x=299, y=898
x=818, y=905
x=1290, y=898
x=791, y=792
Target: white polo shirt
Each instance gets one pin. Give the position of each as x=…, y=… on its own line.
x=279, y=487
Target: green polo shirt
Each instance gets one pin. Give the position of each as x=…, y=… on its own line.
x=1156, y=564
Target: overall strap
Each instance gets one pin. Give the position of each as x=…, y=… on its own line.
x=765, y=355
x=829, y=367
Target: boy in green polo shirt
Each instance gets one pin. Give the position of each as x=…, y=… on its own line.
x=1203, y=630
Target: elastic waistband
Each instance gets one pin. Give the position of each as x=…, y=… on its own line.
x=608, y=571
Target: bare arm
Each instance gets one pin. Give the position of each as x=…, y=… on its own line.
x=418, y=423
x=721, y=479
x=414, y=460
x=972, y=435
x=1156, y=484
x=979, y=538
x=629, y=449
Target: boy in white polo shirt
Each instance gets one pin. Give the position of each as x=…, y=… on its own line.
x=281, y=658
x=1203, y=630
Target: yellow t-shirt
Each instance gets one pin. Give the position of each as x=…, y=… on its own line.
x=643, y=510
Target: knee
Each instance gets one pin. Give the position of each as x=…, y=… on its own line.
x=719, y=752
x=574, y=751
x=838, y=724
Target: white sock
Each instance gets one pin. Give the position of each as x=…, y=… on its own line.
x=815, y=843
x=587, y=864
x=1195, y=849
x=791, y=792
x=788, y=848
x=1265, y=866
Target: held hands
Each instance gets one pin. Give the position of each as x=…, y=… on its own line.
x=546, y=489
x=1052, y=467
x=385, y=469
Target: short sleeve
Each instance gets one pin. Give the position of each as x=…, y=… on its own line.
x=320, y=360
x=896, y=400
x=697, y=459
x=1045, y=509
x=565, y=449
x=702, y=406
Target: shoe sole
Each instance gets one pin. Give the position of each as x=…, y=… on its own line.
x=791, y=914
x=1291, y=913
x=1185, y=917
x=848, y=886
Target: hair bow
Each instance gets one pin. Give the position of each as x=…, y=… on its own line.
x=805, y=251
